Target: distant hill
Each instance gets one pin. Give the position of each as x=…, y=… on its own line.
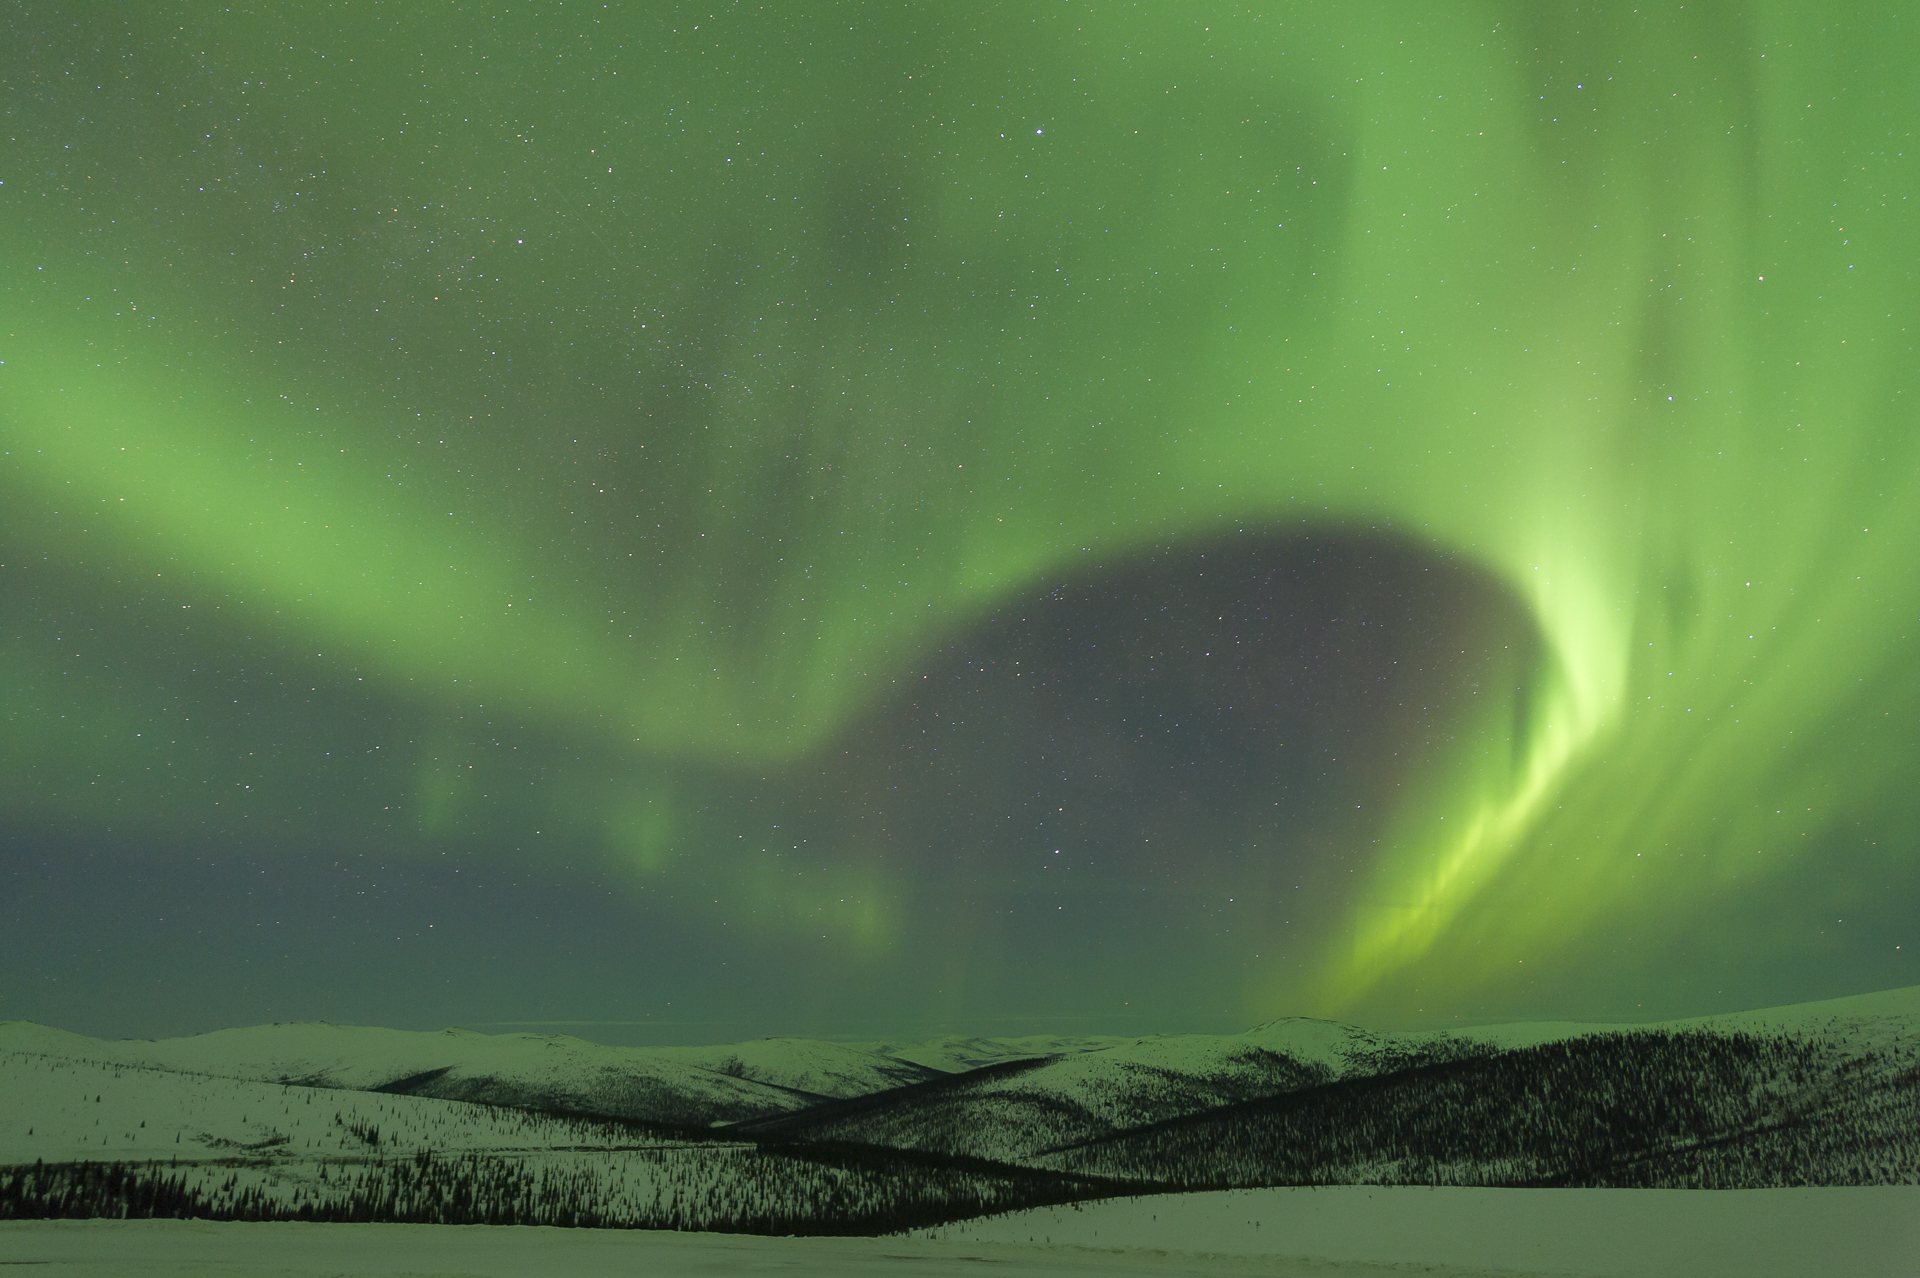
x=684, y=1086
x=1658, y=1108
x=1820, y=1093
x=326, y=1122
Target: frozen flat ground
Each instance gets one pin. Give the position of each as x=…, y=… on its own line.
x=1760, y=1233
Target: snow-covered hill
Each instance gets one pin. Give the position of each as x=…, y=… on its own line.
x=1012, y=1110
x=1647, y=1108
x=1816, y=1093
x=328, y=1122
x=1017, y=1106
x=1866, y=1020
x=676, y=1085
x=82, y=1138
x=63, y=1109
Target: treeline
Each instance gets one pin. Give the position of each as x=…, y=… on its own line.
x=742, y=1189
x=1646, y=1108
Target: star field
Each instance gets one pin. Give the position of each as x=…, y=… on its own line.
x=863, y=518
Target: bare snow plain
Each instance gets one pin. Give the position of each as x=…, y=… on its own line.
x=1343, y=1230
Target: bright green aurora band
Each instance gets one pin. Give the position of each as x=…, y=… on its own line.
x=580, y=415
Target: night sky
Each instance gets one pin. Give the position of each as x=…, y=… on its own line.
x=677, y=523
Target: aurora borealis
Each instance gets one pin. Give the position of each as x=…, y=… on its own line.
x=866, y=519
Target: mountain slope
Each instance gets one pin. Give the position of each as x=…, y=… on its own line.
x=92, y=1138
x=1655, y=1108
x=1016, y=1109
x=1303, y=1101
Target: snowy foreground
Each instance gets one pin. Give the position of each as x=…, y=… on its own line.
x=1861, y=1233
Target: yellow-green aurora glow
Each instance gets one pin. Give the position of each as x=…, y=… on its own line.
x=543, y=435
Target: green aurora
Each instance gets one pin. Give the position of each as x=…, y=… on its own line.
x=551, y=431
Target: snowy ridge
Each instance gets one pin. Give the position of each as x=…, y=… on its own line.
x=1824, y=1093
x=323, y=1122
x=1865, y=1019
x=1820, y=1093
x=1018, y=1106
x=1015, y=1108
x=677, y=1085
x=955, y=1054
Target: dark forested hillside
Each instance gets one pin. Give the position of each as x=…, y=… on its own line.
x=1647, y=1108
x=716, y=1187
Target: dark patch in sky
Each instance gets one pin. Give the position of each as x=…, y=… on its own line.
x=1216, y=710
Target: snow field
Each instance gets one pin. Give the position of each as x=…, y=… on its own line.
x=177, y=1249
x=1328, y=1233
x=1630, y=1233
